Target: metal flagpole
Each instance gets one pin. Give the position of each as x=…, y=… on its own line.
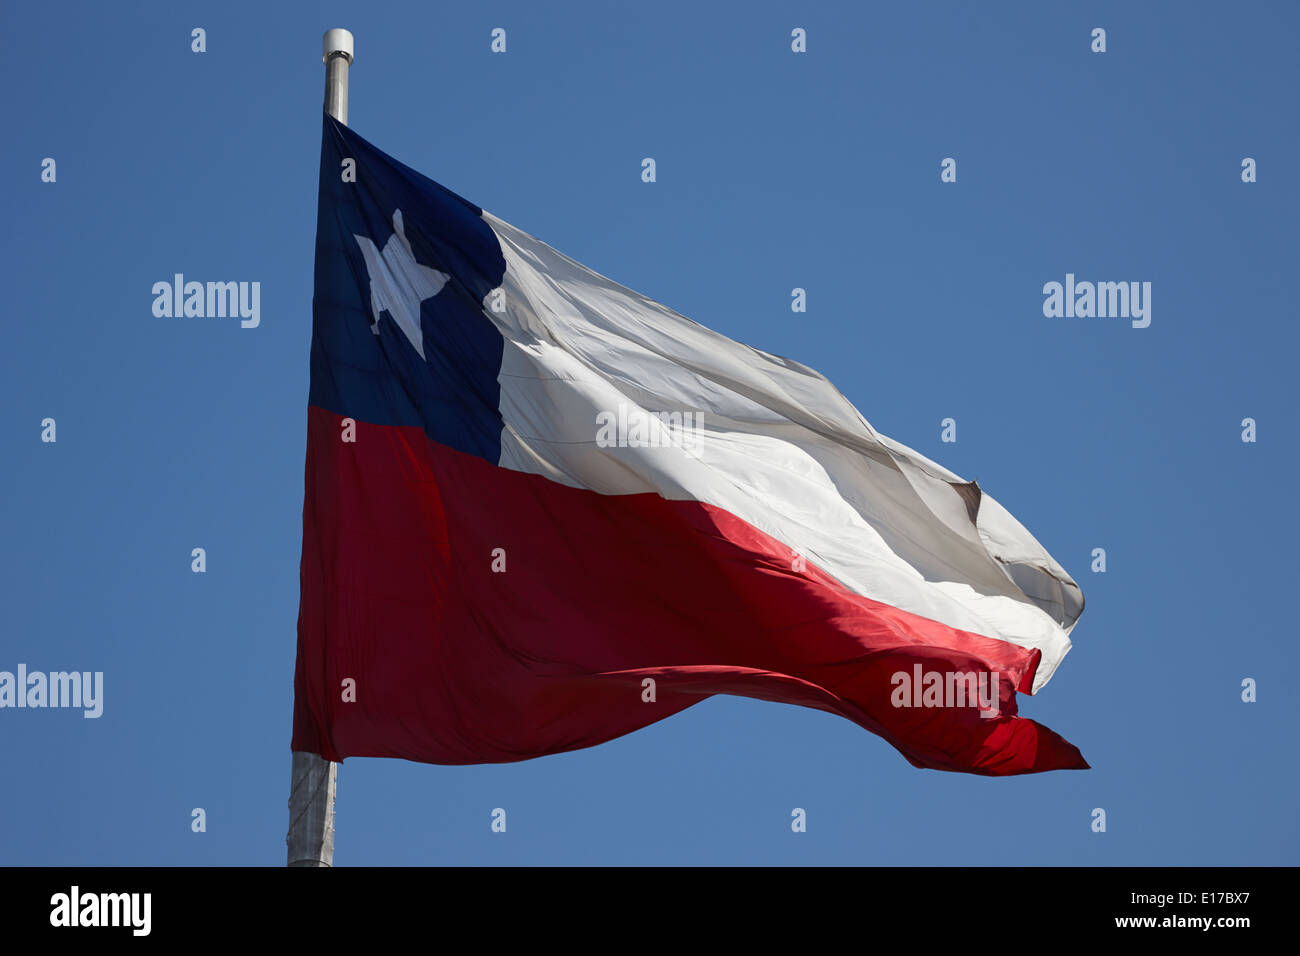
x=315, y=779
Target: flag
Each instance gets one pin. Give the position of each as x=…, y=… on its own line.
x=543, y=511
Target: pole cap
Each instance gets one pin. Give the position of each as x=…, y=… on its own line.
x=336, y=41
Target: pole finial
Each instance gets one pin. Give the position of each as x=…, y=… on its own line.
x=337, y=54
x=336, y=41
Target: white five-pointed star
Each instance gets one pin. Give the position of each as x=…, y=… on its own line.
x=398, y=284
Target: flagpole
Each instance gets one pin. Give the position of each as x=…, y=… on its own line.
x=314, y=782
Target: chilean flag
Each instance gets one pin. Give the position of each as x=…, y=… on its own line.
x=543, y=511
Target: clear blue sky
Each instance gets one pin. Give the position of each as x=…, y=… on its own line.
x=775, y=170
